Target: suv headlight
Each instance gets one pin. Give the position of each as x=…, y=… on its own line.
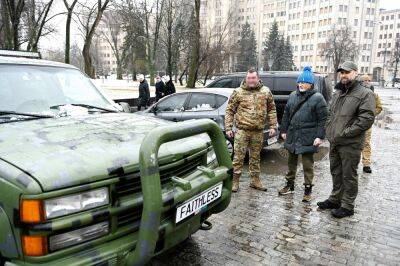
x=61, y=206
x=78, y=236
x=211, y=156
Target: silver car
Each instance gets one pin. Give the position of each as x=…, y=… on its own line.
x=196, y=104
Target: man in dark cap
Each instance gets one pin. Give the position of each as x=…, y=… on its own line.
x=351, y=115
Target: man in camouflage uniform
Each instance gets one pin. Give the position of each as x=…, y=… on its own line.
x=249, y=107
x=366, y=152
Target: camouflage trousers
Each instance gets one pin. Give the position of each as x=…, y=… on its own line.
x=252, y=141
x=366, y=152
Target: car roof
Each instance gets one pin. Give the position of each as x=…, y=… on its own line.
x=219, y=91
x=32, y=62
x=268, y=73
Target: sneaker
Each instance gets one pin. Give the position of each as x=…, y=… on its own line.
x=341, y=212
x=324, y=205
x=307, y=193
x=367, y=169
x=288, y=189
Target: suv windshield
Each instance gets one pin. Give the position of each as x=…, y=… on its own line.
x=38, y=89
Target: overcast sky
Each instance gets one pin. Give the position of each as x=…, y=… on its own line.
x=56, y=41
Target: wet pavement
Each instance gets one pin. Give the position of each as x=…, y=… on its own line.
x=262, y=228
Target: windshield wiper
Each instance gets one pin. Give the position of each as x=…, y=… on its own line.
x=86, y=106
x=25, y=114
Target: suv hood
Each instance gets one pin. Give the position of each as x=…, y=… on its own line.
x=71, y=151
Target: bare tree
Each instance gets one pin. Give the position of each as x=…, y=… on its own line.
x=173, y=32
x=216, y=47
x=70, y=11
x=339, y=47
x=89, y=18
x=37, y=18
x=112, y=35
x=12, y=12
x=195, y=47
x=395, y=60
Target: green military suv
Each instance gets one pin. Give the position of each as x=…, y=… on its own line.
x=83, y=183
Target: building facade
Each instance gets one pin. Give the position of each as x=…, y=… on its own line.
x=305, y=22
x=388, y=32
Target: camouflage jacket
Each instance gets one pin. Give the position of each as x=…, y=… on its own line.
x=378, y=104
x=250, y=108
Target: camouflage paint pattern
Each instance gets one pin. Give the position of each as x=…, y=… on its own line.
x=54, y=157
x=253, y=142
x=250, y=108
x=366, y=152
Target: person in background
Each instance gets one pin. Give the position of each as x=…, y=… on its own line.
x=366, y=152
x=351, y=115
x=160, y=88
x=303, y=129
x=169, y=87
x=144, y=92
x=249, y=107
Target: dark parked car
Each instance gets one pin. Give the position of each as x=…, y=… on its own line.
x=196, y=104
x=281, y=83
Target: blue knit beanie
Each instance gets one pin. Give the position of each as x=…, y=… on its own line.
x=306, y=76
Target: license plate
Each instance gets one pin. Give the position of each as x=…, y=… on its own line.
x=272, y=140
x=197, y=203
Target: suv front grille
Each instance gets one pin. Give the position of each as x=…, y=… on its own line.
x=130, y=184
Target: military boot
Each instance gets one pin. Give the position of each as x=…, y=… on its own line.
x=255, y=183
x=307, y=193
x=235, y=183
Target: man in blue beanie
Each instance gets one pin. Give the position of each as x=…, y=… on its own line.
x=303, y=129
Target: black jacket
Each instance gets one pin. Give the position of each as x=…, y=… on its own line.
x=307, y=124
x=169, y=88
x=160, y=89
x=144, y=91
x=352, y=112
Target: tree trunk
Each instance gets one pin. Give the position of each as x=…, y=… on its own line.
x=68, y=37
x=15, y=30
x=119, y=70
x=395, y=70
x=195, y=53
x=89, y=69
x=181, y=76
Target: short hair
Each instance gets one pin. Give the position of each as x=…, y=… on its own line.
x=253, y=70
x=365, y=77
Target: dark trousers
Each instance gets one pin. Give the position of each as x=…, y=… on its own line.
x=344, y=162
x=142, y=103
x=308, y=167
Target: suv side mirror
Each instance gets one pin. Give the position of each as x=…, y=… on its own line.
x=125, y=107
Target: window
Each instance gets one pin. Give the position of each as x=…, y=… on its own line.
x=223, y=83
x=173, y=103
x=201, y=102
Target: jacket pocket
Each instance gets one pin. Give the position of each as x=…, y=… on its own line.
x=308, y=136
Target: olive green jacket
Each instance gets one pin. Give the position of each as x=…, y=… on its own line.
x=352, y=112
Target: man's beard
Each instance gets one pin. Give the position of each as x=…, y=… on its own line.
x=345, y=81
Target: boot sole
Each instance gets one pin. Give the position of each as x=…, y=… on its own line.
x=257, y=188
x=286, y=193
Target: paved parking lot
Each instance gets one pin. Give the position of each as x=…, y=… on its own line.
x=265, y=229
